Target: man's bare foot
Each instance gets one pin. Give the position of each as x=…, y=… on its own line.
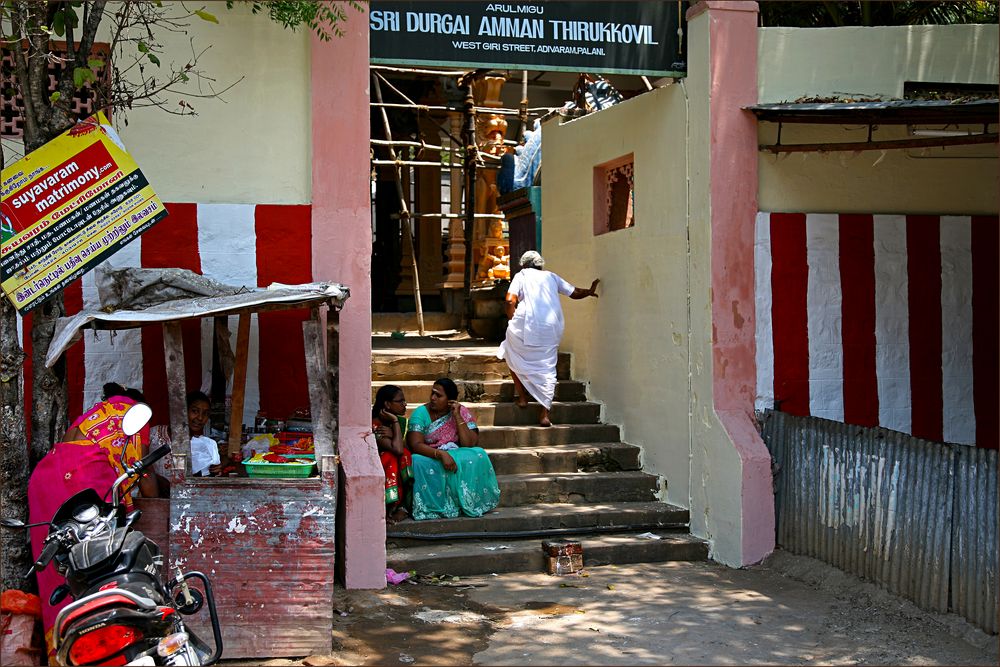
x=545, y=422
x=522, y=402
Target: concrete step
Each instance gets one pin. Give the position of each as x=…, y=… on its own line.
x=505, y=437
x=508, y=414
x=601, y=456
x=577, y=487
x=483, y=557
x=490, y=391
x=408, y=322
x=391, y=365
x=544, y=516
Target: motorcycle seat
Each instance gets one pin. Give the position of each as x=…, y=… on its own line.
x=97, y=554
x=100, y=600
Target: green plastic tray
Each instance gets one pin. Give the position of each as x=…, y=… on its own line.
x=279, y=470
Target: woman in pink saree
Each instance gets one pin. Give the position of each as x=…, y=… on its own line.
x=94, y=452
x=452, y=476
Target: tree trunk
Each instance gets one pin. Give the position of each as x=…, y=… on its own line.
x=49, y=396
x=15, y=556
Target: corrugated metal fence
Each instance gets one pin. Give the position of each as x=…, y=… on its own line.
x=918, y=518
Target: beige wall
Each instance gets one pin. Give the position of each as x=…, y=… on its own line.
x=873, y=61
x=263, y=156
x=953, y=180
x=796, y=63
x=716, y=467
x=632, y=343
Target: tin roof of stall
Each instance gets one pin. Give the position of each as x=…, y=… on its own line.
x=903, y=112
x=275, y=297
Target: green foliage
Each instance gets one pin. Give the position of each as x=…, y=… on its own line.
x=82, y=75
x=320, y=16
x=870, y=13
x=205, y=16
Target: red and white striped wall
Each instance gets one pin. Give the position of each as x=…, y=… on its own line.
x=237, y=244
x=880, y=320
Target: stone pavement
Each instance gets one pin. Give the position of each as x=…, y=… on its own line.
x=791, y=610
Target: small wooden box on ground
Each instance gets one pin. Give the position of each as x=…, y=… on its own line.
x=562, y=556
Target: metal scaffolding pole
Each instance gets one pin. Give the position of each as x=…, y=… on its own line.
x=471, y=151
x=404, y=212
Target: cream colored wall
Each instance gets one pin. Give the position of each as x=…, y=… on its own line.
x=953, y=180
x=250, y=146
x=873, y=61
x=716, y=468
x=795, y=62
x=632, y=343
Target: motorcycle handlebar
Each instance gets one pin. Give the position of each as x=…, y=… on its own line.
x=153, y=457
x=47, y=554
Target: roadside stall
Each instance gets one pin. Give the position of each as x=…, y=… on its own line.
x=263, y=534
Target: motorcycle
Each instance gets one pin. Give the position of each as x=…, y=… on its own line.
x=123, y=613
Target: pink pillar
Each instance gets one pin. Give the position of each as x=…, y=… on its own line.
x=733, y=194
x=341, y=252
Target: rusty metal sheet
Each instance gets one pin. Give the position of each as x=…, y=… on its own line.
x=267, y=545
x=918, y=518
x=974, y=567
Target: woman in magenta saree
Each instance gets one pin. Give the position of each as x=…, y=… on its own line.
x=93, y=454
x=451, y=475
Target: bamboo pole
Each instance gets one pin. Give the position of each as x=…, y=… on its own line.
x=410, y=70
x=403, y=208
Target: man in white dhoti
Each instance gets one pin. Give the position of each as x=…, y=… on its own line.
x=534, y=329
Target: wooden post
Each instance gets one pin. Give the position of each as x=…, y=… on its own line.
x=239, y=386
x=323, y=420
x=180, y=445
x=333, y=362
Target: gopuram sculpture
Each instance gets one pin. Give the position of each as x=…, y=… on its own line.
x=490, y=250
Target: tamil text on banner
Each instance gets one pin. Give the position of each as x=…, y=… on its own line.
x=68, y=206
x=608, y=37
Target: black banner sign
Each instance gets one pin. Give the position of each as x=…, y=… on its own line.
x=600, y=37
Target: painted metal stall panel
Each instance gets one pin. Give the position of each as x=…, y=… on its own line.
x=974, y=565
x=916, y=517
x=267, y=545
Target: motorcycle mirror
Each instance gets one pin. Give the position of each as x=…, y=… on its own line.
x=12, y=523
x=59, y=594
x=135, y=418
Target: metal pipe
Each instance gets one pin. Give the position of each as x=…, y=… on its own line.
x=471, y=150
x=498, y=111
x=493, y=216
x=524, y=106
x=882, y=145
x=404, y=209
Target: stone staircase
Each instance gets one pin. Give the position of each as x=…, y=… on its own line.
x=575, y=480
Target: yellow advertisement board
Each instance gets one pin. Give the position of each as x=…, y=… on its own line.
x=68, y=206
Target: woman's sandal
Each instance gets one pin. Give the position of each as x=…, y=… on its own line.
x=398, y=514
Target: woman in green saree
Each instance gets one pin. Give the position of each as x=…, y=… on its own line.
x=452, y=476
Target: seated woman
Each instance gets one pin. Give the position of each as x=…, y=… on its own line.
x=452, y=476
x=198, y=406
x=100, y=426
x=389, y=426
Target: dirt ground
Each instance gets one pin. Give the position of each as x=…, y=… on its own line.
x=790, y=610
